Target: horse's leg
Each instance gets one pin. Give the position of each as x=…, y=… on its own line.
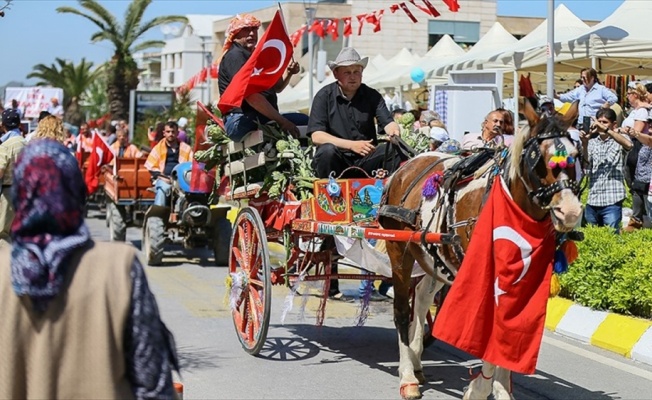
x=481, y=387
x=423, y=298
x=402, y=262
x=503, y=384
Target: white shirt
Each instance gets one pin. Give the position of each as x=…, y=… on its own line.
x=640, y=114
x=56, y=111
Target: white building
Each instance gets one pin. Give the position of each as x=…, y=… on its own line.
x=187, y=54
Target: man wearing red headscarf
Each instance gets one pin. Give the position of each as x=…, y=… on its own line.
x=241, y=39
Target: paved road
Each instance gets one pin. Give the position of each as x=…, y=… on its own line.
x=339, y=360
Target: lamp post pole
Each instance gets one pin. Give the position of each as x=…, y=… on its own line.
x=550, y=68
x=310, y=15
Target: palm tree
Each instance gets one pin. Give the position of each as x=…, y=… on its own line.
x=73, y=79
x=123, y=71
x=95, y=100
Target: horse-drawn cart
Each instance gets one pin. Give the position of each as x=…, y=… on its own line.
x=316, y=233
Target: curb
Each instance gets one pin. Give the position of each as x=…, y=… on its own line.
x=628, y=336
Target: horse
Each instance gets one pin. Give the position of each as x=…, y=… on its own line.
x=539, y=190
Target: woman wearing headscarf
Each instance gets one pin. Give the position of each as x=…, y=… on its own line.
x=79, y=320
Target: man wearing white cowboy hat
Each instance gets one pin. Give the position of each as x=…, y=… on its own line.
x=343, y=121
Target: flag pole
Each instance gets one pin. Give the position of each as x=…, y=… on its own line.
x=550, y=68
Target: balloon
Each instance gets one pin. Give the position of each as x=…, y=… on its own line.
x=417, y=74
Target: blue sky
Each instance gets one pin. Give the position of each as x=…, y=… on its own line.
x=33, y=32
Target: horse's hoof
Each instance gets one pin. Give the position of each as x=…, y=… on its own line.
x=410, y=391
x=420, y=377
x=500, y=393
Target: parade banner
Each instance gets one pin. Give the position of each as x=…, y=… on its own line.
x=32, y=100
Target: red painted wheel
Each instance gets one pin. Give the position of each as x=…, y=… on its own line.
x=251, y=288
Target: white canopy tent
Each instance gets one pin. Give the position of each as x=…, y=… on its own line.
x=444, y=49
x=620, y=44
x=496, y=39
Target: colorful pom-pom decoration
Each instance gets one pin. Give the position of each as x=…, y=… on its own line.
x=431, y=185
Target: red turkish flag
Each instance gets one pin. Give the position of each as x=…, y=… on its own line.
x=496, y=308
x=100, y=155
x=431, y=8
x=202, y=181
x=332, y=28
x=453, y=5
x=317, y=28
x=263, y=69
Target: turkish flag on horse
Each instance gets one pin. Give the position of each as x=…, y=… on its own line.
x=264, y=68
x=496, y=307
x=100, y=155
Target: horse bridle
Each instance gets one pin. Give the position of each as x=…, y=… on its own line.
x=542, y=194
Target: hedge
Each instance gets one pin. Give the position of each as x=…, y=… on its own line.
x=612, y=272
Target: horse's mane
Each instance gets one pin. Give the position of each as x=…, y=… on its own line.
x=547, y=124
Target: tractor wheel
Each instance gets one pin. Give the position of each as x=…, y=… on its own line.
x=154, y=240
x=221, y=241
x=117, y=225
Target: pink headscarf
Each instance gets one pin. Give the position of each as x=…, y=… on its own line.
x=239, y=22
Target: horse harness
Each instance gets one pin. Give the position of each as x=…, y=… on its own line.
x=463, y=172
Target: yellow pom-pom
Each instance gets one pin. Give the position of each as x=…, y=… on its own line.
x=555, y=287
x=228, y=282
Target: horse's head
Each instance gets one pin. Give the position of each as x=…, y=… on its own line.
x=544, y=159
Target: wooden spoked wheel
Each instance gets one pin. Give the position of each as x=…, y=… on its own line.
x=251, y=288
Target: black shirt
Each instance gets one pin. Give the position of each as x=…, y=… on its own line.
x=171, y=160
x=231, y=63
x=351, y=119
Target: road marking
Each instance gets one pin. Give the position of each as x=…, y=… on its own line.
x=598, y=358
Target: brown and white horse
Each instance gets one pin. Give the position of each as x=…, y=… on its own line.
x=538, y=190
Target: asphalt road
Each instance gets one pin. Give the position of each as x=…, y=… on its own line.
x=340, y=360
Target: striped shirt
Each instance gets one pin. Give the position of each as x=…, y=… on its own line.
x=605, y=172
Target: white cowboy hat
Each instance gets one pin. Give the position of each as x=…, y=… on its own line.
x=348, y=56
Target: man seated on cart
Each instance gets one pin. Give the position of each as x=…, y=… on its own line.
x=241, y=39
x=342, y=125
x=166, y=155
x=122, y=148
x=343, y=121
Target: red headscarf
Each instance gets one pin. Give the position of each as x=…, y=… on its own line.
x=239, y=22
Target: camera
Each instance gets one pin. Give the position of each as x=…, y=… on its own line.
x=586, y=125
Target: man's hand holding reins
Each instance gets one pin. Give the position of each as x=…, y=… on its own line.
x=362, y=147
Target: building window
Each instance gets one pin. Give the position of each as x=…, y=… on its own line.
x=463, y=32
x=171, y=78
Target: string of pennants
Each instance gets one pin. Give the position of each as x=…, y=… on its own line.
x=198, y=78
x=325, y=27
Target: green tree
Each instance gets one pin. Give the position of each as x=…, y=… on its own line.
x=126, y=40
x=73, y=79
x=95, y=101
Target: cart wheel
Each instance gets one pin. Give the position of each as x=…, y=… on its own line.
x=251, y=289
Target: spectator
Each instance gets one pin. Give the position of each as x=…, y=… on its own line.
x=81, y=321
x=110, y=135
x=166, y=155
x=493, y=128
x=639, y=159
x=50, y=127
x=55, y=109
x=15, y=106
x=437, y=137
x=183, y=135
x=591, y=94
x=155, y=134
x=605, y=148
x=241, y=39
x=12, y=144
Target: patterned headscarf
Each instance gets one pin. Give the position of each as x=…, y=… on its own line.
x=239, y=22
x=48, y=195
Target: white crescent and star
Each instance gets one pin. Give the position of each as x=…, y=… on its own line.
x=278, y=45
x=507, y=233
